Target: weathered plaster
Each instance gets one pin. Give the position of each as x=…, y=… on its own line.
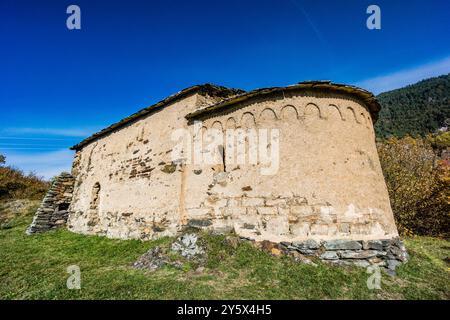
x=329, y=184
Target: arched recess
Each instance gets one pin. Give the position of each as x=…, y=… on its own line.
x=203, y=132
x=217, y=125
x=362, y=118
x=218, y=132
x=333, y=112
x=350, y=114
x=204, y=135
x=289, y=112
x=231, y=123
x=312, y=110
x=267, y=115
x=248, y=120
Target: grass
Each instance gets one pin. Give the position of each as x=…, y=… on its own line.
x=35, y=267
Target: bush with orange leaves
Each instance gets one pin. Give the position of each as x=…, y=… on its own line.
x=418, y=182
x=14, y=184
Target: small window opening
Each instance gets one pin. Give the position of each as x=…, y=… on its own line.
x=63, y=206
x=95, y=196
x=222, y=155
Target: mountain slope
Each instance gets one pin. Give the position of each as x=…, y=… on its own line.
x=416, y=109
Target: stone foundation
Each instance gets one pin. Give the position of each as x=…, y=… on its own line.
x=387, y=253
x=54, y=209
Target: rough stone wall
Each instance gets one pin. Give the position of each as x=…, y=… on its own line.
x=329, y=184
x=385, y=253
x=130, y=173
x=53, y=211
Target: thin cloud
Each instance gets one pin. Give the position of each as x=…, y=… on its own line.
x=44, y=164
x=405, y=77
x=34, y=138
x=69, y=132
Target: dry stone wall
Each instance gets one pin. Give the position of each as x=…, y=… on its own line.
x=386, y=253
x=54, y=209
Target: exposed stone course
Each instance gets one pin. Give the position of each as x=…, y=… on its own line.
x=389, y=254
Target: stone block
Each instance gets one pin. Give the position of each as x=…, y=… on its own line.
x=361, y=263
x=199, y=212
x=329, y=255
x=360, y=229
x=308, y=252
x=399, y=254
x=234, y=202
x=300, y=229
x=307, y=244
x=372, y=244
x=342, y=245
x=302, y=211
x=248, y=226
x=267, y=210
x=362, y=254
x=222, y=229
x=220, y=178
x=320, y=229
x=275, y=202
x=233, y=211
x=277, y=226
x=344, y=228
x=392, y=264
x=252, y=202
x=199, y=223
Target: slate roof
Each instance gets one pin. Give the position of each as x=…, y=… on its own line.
x=320, y=86
x=208, y=88
x=233, y=96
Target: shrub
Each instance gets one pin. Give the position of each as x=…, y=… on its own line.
x=14, y=184
x=442, y=140
x=418, y=183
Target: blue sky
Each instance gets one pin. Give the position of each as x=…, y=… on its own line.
x=59, y=86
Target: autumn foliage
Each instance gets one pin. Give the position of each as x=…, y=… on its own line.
x=14, y=184
x=417, y=174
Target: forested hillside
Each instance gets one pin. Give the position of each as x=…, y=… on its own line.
x=416, y=109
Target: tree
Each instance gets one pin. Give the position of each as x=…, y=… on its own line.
x=2, y=159
x=418, y=183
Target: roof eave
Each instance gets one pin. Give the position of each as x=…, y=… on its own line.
x=135, y=116
x=363, y=95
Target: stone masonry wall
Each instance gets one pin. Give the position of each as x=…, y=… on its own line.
x=386, y=253
x=53, y=211
x=126, y=185
x=329, y=184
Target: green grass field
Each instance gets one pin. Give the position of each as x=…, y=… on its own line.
x=35, y=267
